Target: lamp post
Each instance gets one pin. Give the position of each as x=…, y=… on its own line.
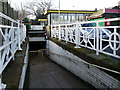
x=59, y=11
x=59, y=22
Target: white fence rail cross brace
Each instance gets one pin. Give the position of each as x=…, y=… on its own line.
x=91, y=35
x=12, y=36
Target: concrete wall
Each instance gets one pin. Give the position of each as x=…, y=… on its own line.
x=90, y=74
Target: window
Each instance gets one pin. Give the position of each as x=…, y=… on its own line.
x=54, y=18
x=79, y=17
x=65, y=18
x=73, y=18
x=61, y=18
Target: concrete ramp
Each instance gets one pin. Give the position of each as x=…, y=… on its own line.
x=43, y=73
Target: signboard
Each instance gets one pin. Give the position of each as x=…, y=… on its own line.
x=108, y=23
x=112, y=10
x=42, y=19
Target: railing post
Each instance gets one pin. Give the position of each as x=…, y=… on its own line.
x=51, y=32
x=115, y=31
x=59, y=32
x=100, y=40
x=19, y=47
x=77, y=36
x=0, y=72
x=97, y=30
x=66, y=33
x=24, y=34
x=24, y=31
x=12, y=39
x=2, y=86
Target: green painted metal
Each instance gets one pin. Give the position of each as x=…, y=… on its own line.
x=101, y=23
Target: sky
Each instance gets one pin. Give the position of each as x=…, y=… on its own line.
x=74, y=4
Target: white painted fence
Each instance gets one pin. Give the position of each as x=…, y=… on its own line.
x=102, y=39
x=12, y=36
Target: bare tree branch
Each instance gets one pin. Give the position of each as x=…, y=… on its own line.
x=34, y=8
x=38, y=7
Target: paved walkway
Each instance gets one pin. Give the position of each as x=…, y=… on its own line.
x=46, y=74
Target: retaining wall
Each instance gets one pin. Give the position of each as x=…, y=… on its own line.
x=90, y=74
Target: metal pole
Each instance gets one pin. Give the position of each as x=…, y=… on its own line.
x=0, y=71
x=2, y=86
x=59, y=11
x=59, y=22
x=77, y=35
x=13, y=43
x=19, y=38
x=97, y=30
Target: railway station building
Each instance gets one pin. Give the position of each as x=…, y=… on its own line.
x=67, y=16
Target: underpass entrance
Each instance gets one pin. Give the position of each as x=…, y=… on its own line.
x=44, y=73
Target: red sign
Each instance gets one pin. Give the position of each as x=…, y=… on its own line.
x=108, y=23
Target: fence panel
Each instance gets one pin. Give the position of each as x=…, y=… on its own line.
x=90, y=34
x=11, y=36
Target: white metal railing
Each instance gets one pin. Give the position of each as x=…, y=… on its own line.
x=11, y=38
x=90, y=34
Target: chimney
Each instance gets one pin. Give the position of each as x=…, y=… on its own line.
x=119, y=3
x=95, y=9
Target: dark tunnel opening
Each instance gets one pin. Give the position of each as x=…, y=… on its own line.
x=33, y=46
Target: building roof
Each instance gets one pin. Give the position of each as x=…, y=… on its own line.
x=112, y=11
x=70, y=11
x=97, y=14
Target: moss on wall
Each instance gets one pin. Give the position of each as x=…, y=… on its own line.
x=90, y=56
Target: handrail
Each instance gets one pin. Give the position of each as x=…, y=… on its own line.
x=79, y=22
x=6, y=17
x=11, y=39
x=91, y=37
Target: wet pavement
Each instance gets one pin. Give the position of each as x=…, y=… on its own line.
x=44, y=73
